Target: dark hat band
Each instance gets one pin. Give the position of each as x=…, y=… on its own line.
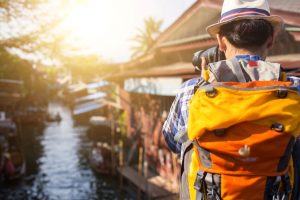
x=240, y=12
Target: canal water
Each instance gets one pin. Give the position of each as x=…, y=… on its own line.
x=57, y=164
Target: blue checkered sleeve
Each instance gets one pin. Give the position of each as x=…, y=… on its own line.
x=176, y=122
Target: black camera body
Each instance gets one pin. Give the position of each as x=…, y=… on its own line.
x=211, y=55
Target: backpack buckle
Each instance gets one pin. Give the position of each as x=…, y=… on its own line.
x=282, y=93
x=199, y=182
x=211, y=92
x=277, y=127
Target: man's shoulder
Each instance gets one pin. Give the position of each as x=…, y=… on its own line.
x=189, y=83
x=187, y=89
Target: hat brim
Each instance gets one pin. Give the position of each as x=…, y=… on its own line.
x=275, y=20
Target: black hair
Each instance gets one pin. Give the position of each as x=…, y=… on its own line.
x=247, y=33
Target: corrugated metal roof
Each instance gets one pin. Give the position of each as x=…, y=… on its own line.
x=87, y=107
x=195, y=25
x=285, y=5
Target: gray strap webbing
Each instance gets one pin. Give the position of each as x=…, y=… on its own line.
x=238, y=71
x=185, y=165
x=204, y=155
x=199, y=195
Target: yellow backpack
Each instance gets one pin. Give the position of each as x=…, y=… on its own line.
x=243, y=135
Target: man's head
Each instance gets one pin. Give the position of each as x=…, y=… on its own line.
x=246, y=24
x=249, y=35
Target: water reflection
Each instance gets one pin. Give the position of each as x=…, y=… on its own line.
x=57, y=164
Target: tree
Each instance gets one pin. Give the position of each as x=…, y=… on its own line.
x=146, y=37
x=31, y=30
x=27, y=25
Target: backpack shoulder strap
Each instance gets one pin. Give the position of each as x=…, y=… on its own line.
x=226, y=71
x=261, y=70
x=237, y=70
x=241, y=71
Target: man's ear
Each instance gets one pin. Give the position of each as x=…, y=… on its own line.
x=221, y=42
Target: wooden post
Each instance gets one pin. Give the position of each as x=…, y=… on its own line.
x=121, y=164
x=140, y=168
x=148, y=196
x=19, y=131
x=121, y=155
x=113, y=154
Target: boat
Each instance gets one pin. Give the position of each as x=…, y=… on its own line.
x=12, y=161
x=100, y=158
x=103, y=154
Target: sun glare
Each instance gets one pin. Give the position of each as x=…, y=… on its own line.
x=91, y=25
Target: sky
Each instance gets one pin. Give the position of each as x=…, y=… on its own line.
x=105, y=27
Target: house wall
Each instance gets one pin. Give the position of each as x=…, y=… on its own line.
x=145, y=116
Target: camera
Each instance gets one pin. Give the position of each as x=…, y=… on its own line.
x=211, y=55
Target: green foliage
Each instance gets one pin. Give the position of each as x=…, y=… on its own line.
x=34, y=33
x=122, y=119
x=13, y=67
x=146, y=37
x=40, y=40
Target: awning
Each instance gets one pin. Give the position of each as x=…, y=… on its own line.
x=162, y=86
x=99, y=121
x=111, y=104
x=97, y=85
x=94, y=96
x=94, y=105
x=76, y=88
x=87, y=107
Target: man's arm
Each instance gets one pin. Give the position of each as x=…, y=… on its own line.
x=170, y=127
x=175, y=127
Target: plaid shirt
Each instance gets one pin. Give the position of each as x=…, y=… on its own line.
x=176, y=123
x=177, y=119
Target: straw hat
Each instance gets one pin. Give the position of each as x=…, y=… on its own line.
x=234, y=10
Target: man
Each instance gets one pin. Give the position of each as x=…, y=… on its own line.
x=245, y=32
